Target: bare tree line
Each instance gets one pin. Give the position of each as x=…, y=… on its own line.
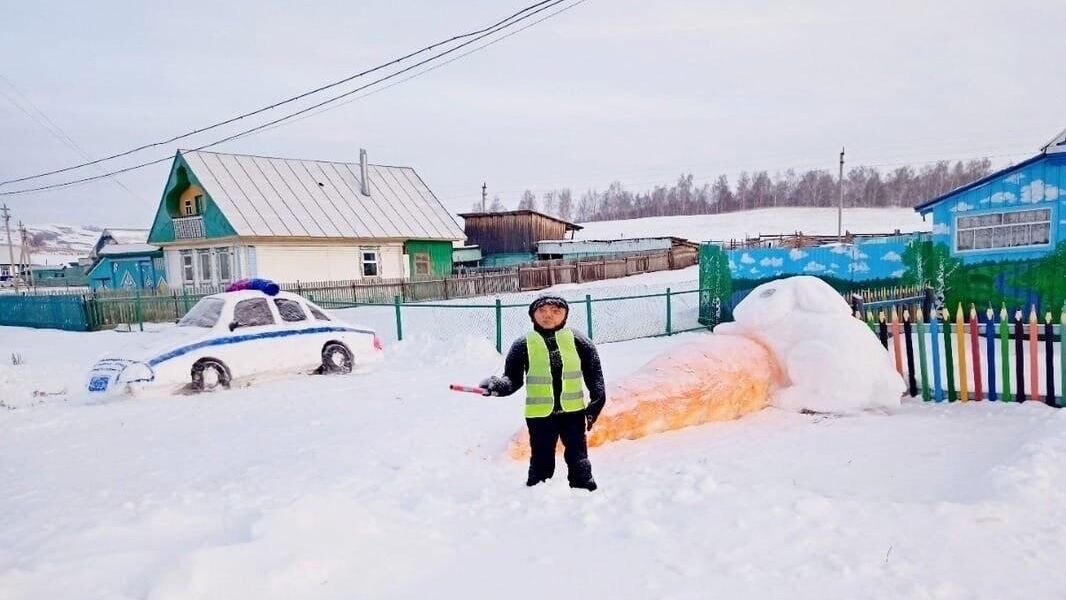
x=863, y=187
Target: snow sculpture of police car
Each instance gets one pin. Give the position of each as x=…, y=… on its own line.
x=251, y=329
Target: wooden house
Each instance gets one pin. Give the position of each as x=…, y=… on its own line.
x=511, y=237
x=223, y=217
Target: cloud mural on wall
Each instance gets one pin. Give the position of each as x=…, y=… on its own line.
x=732, y=265
x=796, y=254
x=754, y=271
x=772, y=262
x=814, y=267
x=941, y=229
x=892, y=256
x=899, y=272
x=746, y=259
x=1016, y=178
x=833, y=266
x=859, y=267
x=1001, y=197
x=962, y=206
x=841, y=249
x=1038, y=191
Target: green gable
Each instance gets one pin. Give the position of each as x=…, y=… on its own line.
x=439, y=253
x=181, y=178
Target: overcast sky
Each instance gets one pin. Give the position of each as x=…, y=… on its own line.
x=626, y=90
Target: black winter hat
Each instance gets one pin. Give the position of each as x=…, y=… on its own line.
x=548, y=300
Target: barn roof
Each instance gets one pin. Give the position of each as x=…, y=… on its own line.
x=281, y=197
x=525, y=211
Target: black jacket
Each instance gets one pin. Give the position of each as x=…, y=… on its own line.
x=517, y=364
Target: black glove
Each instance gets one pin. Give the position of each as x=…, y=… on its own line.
x=590, y=418
x=493, y=386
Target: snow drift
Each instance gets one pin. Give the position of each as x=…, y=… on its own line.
x=829, y=361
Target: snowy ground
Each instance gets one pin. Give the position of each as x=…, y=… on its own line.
x=387, y=486
x=738, y=225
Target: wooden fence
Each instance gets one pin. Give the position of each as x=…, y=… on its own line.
x=975, y=355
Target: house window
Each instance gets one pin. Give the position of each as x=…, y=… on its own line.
x=188, y=273
x=225, y=264
x=193, y=206
x=370, y=263
x=1016, y=229
x=422, y=264
x=205, y=266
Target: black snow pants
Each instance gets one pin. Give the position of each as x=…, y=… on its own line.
x=544, y=434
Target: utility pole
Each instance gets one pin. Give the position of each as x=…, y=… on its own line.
x=840, y=208
x=25, y=258
x=484, y=195
x=10, y=251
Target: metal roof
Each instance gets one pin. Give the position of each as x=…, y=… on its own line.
x=522, y=211
x=280, y=197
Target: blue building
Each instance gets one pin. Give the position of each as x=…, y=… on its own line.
x=1015, y=214
x=122, y=259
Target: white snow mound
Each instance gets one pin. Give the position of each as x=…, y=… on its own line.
x=829, y=360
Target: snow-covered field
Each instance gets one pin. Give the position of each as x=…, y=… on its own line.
x=812, y=221
x=386, y=485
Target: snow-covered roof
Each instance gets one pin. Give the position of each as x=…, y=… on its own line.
x=268, y=197
x=115, y=249
x=127, y=236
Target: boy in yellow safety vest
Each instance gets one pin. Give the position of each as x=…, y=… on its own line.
x=558, y=365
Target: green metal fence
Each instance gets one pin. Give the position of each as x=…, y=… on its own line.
x=603, y=319
x=620, y=314
x=55, y=311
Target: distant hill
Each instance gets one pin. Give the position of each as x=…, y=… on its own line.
x=54, y=243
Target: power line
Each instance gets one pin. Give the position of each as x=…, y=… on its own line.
x=289, y=116
x=424, y=71
x=490, y=28
x=55, y=130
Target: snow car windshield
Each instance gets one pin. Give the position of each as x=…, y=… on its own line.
x=204, y=314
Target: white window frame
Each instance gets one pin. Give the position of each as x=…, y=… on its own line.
x=209, y=277
x=187, y=269
x=224, y=255
x=363, y=252
x=999, y=229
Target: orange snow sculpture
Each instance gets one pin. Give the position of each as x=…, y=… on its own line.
x=714, y=378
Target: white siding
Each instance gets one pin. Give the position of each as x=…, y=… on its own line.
x=288, y=263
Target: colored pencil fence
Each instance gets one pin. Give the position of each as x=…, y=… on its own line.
x=969, y=355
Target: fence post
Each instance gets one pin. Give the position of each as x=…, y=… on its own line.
x=499, y=326
x=399, y=320
x=669, y=313
x=140, y=313
x=588, y=315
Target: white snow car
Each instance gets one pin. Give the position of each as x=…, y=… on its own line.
x=233, y=336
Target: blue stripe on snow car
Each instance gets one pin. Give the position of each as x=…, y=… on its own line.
x=236, y=339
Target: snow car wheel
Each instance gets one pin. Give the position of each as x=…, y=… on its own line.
x=209, y=375
x=336, y=359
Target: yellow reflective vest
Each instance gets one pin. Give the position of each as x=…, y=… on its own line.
x=540, y=397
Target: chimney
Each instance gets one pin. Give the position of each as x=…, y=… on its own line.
x=363, y=172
